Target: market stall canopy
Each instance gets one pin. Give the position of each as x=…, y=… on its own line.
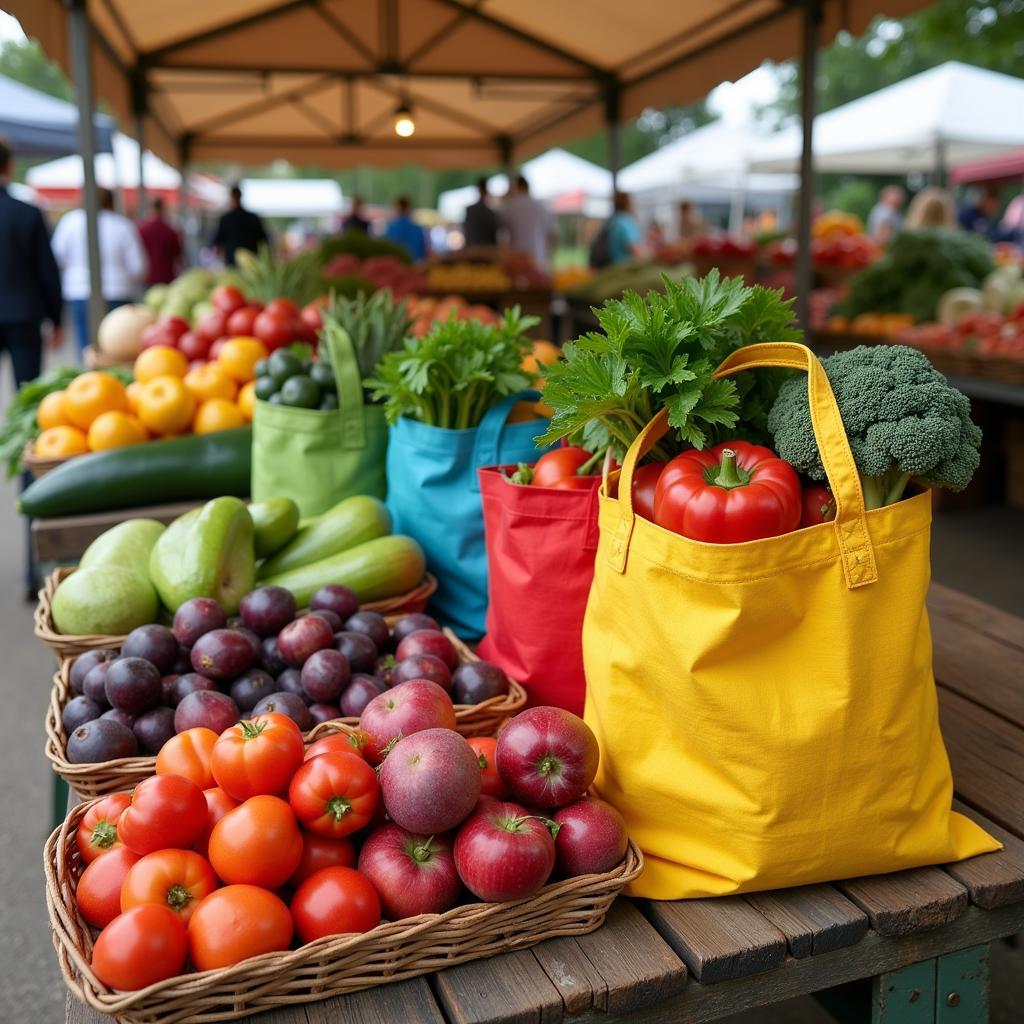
x=39, y=125
x=1004, y=167
x=488, y=81
x=949, y=114
x=292, y=197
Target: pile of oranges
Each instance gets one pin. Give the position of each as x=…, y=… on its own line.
x=96, y=412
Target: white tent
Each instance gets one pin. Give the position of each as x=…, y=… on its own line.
x=552, y=174
x=949, y=114
x=120, y=170
x=292, y=197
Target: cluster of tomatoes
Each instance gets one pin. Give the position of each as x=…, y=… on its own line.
x=976, y=331
x=243, y=843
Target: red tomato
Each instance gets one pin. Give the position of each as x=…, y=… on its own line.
x=97, y=831
x=490, y=781
x=143, y=946
x=559, y=465
x=99, y=889
x=645, y=481
x=235, y=923
x=165, y=331
x=179, y=879
x=242, y=321
x=334, y=794
x=817, y=505
x=355, y=742
x=211, y=325
x=282, y=308
x=322, y=852
x=165, y=811
x=311, y=316
x=218, y=803
x=194, y=348
x=274, y=331
x=258, y=843
x=189, y=755
x=227, y=297
x=335, y=901
x=257, y=756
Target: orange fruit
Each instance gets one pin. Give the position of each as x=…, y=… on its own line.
x=115, y=429
x=51, y=412
x=166, y=405
x=160, y=361
x=247, y=399
x=58, y=442
x=91, y=393
x=132, y=392
x=239, y=357
x=217, y=414
x=543, y=352
x=210, y=381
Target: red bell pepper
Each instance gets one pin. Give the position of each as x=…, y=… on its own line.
x=732, y=493
x=645, y=481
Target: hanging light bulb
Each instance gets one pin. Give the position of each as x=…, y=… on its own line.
x=403, y=124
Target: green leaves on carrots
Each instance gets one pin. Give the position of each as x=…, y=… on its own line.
x=662, y=350
x=453, y=374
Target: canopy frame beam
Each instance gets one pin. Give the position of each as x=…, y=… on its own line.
x=140, y=109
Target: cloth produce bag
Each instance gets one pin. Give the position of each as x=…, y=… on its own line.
x=766, y=711
x=316, y=457
x=434, y=496
x=541, y=544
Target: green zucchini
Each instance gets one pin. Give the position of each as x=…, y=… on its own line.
x=352, y=521
x=181, y=468
x=380, y=568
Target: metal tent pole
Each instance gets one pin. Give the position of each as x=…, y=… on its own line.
x=808, y=69
x=612, y=119
x=80, y=42
x=187, y=240
x=139, y=106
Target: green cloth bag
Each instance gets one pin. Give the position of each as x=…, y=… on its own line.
x=316, y=457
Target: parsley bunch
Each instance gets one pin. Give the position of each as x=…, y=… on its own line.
x=662, y=350
x=453, y=374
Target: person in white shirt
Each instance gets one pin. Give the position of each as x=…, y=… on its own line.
x=528, y=224
x=122, y=262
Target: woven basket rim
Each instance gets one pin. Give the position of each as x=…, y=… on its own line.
x=389, y=936
x=33, y=462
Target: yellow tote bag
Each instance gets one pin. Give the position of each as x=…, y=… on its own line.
x=766, y=711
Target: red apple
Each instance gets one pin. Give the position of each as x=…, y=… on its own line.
x=311, y=315
x=227, y=297
x=240, y=322
x=591, y=837
x=193, y=347
x=503, y=852
x=430, y=781
x=212, y=325
x=412, y=874
x=428, y=641
x=547, y=757
x=216, y=347
x=413, y=707
x=165, y=331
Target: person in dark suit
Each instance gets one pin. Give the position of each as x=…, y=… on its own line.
x=239, y=228
x=29, y=280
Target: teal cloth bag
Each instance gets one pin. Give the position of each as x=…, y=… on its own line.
x=434, y=496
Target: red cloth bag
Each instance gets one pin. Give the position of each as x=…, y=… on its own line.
x=541, y=545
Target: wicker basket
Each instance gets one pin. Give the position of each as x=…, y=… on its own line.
x=97, y=360
x=38, y=466
x=330, y=966
x=98, y=778
x=66, y=645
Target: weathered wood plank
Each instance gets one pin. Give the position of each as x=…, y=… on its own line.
x=987, y=756
x=718, y=938
x=814, y=918
x=409, y=1000
x=993, y=879
x=507, y=989
x=632, y=965
x=947, y=603
x=907, y=901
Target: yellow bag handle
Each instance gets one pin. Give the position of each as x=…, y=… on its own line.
x=850, y=524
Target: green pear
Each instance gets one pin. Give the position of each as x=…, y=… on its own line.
x=207, y=552
x=128, y=545
x=275, y=521
x=103, y=599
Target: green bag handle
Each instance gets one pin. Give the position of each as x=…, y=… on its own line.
x=349, y=384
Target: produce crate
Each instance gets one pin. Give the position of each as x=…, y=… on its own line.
x=65, y=645
x=98, y=778
x=330, y=966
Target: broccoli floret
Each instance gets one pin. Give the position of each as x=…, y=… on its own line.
x=903, y=419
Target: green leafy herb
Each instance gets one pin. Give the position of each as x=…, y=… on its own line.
x=453, y=374
x=662, y=350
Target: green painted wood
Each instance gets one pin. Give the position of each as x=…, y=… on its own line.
x=906, y=996
x=962, y=986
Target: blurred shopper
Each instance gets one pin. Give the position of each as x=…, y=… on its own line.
x=1011, y=227
x=886, y=218
x=481, y=224
x=624, y=235
x=122, y=261
x=239, y=228
x=528, y=224
x=931, y=208
x=162, y=244
x=29, y=280
x=691, y=223
x=982, y=216
x=403, y=230
x=355, y=221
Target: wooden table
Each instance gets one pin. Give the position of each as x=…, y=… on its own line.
x=910, y=947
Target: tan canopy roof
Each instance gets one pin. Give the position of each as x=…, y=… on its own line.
x=318, y=81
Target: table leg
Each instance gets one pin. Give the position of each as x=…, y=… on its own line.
x=951, y=989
